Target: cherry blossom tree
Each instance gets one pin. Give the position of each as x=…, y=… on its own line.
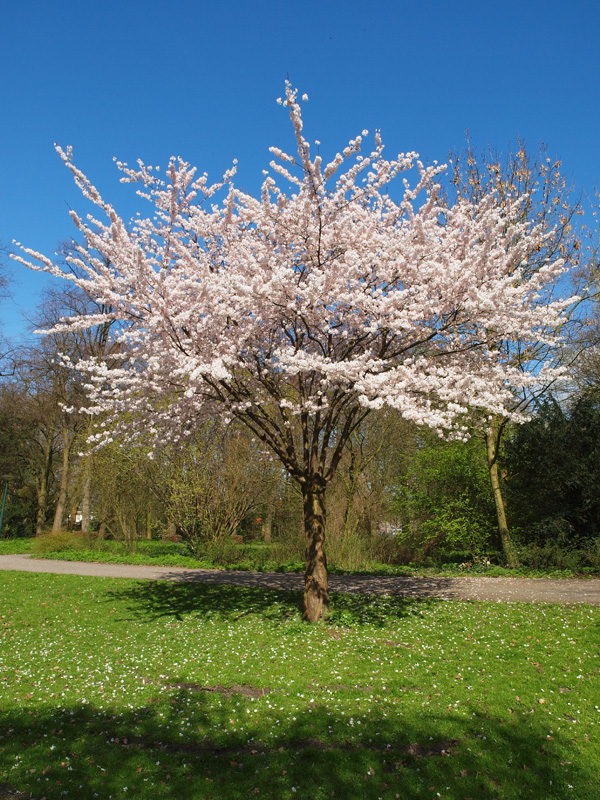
x=301, y=310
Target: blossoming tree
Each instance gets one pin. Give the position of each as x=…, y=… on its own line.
x=299, y=311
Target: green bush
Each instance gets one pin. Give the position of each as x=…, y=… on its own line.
x=592, y=555
x=9, y=547
x=551, y=556
x=444, y=500
x=162, y=548
x=63, y=540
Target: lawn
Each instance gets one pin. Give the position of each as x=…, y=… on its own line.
x=118, y=688
x=253, y=556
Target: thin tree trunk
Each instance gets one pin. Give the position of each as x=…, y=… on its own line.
x=64, y=481
x=268, y=525
x=86, y=515
x=42, y=499
x=350, y=487
x=316, y=595
x=72, y=519
x=492, y=441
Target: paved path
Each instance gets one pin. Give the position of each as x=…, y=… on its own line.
x=528, y=590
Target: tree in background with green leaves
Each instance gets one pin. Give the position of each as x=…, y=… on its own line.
x=553, y=474
x=443, y=503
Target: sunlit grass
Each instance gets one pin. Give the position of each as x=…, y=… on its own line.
x=250, y=556
x=10, y=547
x=117, y=688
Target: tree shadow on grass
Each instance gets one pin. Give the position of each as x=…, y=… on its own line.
x=83, y=752
x=153, y=600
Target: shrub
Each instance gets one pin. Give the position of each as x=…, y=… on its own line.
x=63, y=540
x=592, y=554
x=551, y=556
x=444, y=499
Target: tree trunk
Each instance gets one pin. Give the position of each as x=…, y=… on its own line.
x=316, y=595
x=268, y=524
x=64, y=481
x=350, y=487
x=271, y=500
x=492, y=441
x=42, y=498
x=72, y=519
x=86, y=516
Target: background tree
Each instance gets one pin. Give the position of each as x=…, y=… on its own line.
x=53, y=356
x=30, y=402
x=19, y=458
x=5, y=348
x=122, y=493
x=71, y=345
x=547, y=203
x=553, y=469
x=209, y=486
x=66, y=396
x=584, y=342
x=297, y=313
x=359, y=502
x=3, y=271
x=443, y=502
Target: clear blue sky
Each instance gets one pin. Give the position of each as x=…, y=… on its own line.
x=199, y=79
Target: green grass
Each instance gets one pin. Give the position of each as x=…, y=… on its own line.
x=118, y=688
x=72, y=546
x=108, y=557
x=253, y=556
x=9, y=547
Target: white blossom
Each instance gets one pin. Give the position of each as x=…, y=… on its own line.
x=276, y=307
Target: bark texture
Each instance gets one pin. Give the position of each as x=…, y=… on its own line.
x=86, y=516
x=316, y=594
x=492, y=441
x=64, y=480
x=268, y=524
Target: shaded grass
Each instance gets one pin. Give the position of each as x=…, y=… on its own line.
x=93, y=756
x=119, y=688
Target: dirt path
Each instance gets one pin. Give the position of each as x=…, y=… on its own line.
x=528, y=590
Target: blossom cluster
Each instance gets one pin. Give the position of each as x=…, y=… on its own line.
x=321, y=293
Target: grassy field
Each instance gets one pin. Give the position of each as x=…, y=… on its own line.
x=116, y=688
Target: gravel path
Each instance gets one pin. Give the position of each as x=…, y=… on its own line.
x=528, y=590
